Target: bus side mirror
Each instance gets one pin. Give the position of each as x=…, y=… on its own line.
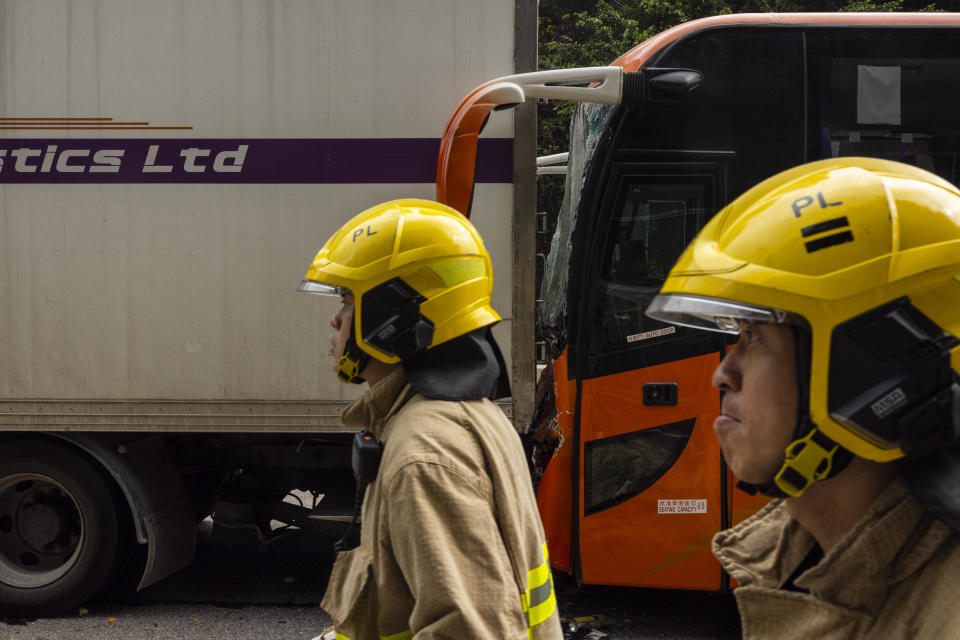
x=670, y=86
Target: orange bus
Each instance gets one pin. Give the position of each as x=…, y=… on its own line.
x=663, y=138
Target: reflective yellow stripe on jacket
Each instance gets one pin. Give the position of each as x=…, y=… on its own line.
x=539, y=601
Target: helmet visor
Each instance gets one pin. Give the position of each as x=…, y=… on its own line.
x=713, y=314
x=321, y=289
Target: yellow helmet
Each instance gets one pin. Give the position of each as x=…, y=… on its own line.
x=419, y=274
x=863, y=256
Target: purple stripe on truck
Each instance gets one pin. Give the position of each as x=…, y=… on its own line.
x=254, y=160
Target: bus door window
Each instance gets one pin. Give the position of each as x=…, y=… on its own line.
x=657, y=216
x=655, y=224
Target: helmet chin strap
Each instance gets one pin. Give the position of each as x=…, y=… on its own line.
x=811, y=455
x=353, y=361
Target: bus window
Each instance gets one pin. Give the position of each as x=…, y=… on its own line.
x=620, y=467
x=751, y=102
x=868, y=99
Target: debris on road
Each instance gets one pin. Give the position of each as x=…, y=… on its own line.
x=587, y=627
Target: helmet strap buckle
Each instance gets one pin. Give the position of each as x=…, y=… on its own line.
x=352, y=362
x=808, y=459
x=347, y=368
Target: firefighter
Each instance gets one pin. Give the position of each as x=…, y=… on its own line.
x=840, y=398
x=451, y=544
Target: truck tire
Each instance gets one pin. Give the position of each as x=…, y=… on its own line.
x=58, y=529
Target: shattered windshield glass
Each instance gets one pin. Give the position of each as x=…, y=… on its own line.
x=589, y=121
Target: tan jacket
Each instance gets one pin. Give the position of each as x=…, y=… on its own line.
x=895, y=575
x=451, y=545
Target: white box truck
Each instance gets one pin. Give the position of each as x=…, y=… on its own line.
x=167, y=172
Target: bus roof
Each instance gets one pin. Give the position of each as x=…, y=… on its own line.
x=634, y=59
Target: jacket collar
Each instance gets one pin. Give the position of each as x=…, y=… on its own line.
x=373, y=409
x=895, y=538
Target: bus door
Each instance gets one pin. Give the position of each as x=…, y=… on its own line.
x=651, y=483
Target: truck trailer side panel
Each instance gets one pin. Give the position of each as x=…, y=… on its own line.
x=152, y=253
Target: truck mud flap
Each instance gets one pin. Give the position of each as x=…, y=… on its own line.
x=172, y=535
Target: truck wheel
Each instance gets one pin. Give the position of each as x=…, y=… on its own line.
x=58, y=529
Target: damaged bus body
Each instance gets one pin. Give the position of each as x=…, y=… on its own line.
x=662, y=139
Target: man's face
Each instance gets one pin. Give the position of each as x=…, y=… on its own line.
x=341, y=322
x=759, y=409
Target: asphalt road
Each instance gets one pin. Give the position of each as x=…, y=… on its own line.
x=238, y=590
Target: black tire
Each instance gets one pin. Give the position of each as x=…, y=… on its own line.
x=58, y=529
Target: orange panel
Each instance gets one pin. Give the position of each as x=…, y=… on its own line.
x=631, y=543
x=555, y=491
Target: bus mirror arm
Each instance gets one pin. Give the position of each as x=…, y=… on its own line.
x=457, y=159
x=586, y=84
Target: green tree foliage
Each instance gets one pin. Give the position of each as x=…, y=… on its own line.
x=586, y=33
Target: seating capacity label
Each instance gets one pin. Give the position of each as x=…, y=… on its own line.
x=682, y=506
